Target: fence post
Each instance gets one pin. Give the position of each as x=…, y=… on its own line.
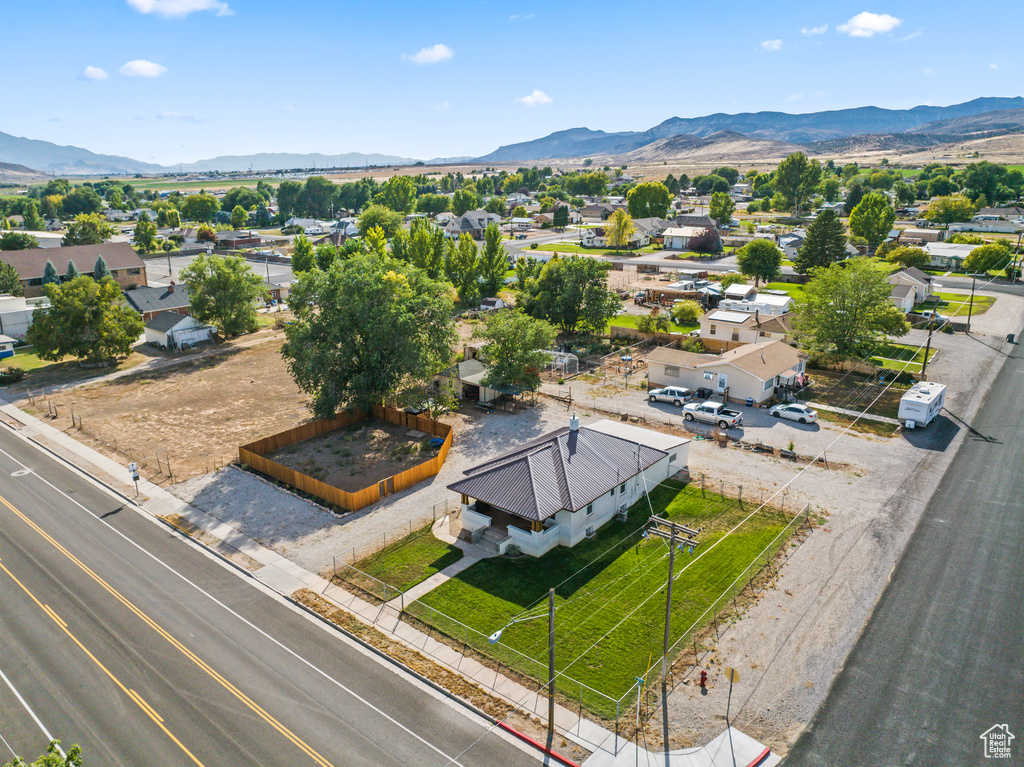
x=722, y=485
x=702, y=484
x=740, y=495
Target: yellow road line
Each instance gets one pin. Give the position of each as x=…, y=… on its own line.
x=146, y=708
x=199, y=662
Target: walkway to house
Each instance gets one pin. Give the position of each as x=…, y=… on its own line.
x=853, y=413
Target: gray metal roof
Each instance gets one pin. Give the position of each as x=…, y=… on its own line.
x=562, y=470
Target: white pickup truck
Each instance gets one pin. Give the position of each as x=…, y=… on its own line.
x=713, y=412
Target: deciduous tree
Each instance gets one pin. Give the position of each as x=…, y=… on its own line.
x=145, y=236
x=954, y=207
x=377, y=215
x=462, y=268
x=52, y=757
x=87, y=319
x=687, y=312
x=721, y=208
x=572, y=294
x=873, y=218
x=366, y=331
x=239, y=217
x=493, y=262
x=987, y=258
x=302, y=255
x=650, y=199
x=18, y=241
x=398, y=194
x=620, y=229
x=200, y=207
x=846, y=310
x=759, y=260
x=223, y=291
x=462, y=201
x=907, y=255
x=515, y=349
x=87, y=229
x=795, y=177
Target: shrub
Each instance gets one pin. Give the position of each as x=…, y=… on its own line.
x=533, y=246
x=11, y=375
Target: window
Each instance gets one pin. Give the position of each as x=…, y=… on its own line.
x=622, y=487
x=765, y=335
x=672, y=458
x=768, y=384
x=712, y=331
x=590, y=532
x=36, y=281
x=590, y=509
x=135, y=271
x=735, y=334
x=672, y=371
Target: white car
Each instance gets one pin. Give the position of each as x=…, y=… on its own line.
x=794, y=412
x=677, y=395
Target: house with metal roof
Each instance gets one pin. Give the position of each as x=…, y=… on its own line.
x=561, y=488
x=751, y=372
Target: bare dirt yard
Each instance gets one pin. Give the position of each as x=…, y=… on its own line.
x=359, y=455
x=194, y=414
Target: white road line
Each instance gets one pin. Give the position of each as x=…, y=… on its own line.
x=31, y=713
x=216, y=601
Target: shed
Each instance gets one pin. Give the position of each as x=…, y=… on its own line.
x=171, y=330
x=6, y=347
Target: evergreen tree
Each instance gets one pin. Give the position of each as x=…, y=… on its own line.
x=72, y=272
x=100, y=270
x=824, y=245
x=50, y=274
x=10, y=280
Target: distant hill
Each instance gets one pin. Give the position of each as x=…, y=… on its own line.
x=773, y=126
x=67, y=160
x=722, y=145
x=287, y=161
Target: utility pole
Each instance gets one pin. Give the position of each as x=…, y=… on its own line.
x=970, y=306
x=551, y=666
x=927, y=348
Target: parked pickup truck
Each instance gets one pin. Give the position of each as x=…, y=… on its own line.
x=713, y=412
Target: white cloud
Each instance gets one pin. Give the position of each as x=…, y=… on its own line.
x=431, y=55
x=520, y=17
x=867, y=24
x=443, y=105
x=771, y=46
x=534, y=99
x=814, y=30
x=178, y=9
x=142, y=68
x=165, y=115
x=927, y=71
x=94, y=73
x=912, y=35
x=993, y=66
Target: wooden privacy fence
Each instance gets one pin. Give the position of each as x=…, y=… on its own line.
x=253, y=454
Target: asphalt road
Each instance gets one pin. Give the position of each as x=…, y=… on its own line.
x=121, y=637
x=157, y=272
x=941, y=659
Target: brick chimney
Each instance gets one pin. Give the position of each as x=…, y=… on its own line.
x=170, y=288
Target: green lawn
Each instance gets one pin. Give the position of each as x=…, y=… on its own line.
x=629, y=321
x=900, y=357
x=404, y=564
x=569, y=247
x=796, y=291
x=26, y=359
x=601, y=586
x=958, y=305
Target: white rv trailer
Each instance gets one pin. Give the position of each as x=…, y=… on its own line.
x=921, y=404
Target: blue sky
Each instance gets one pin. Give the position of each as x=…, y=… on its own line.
x=182, y=80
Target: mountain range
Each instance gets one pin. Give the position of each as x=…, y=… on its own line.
x=749, y=133
x=771, y=126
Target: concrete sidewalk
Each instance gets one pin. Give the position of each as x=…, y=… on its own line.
x=286, y=577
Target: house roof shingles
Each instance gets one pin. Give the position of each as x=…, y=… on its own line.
x=564, y=470
x=31, y=262
x=165, y=321
x=157, y=299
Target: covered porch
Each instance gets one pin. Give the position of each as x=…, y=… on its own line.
x=487, y=524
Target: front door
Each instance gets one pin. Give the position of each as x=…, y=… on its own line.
x=723, y=382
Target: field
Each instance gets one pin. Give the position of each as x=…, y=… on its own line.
x=357, y=456
x=196, y=413
x=403, y=564
x=41, y=373
x=958, y=304
x=796, y=291
x=629, y=321
x=609, y=614
x=852, y=391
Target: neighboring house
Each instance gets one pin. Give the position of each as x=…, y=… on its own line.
x=922, y=283
x=721, y=330
x=752, y=371
x=764, y=301
x=175, y=331
x=920, y=236
x=542, y=218
x=739, y=291
x=238, y=240
x=598, y=238
x=523, y=224
x=151, y=301
x=791, y=243
x=652, y=227
x=903, y=297
x=16, y=314
x=444, y=217
x=491, y=304
x=347, y=226
x=1007, y=213
x=305, y=223
x=123, y=262
x=119, y=215
x=944, y=255
x=277, y=291
x=473, y=223
x=699, y=221
x=54, y=225
x=561, y=488
x=679, y=237
x=6, y=346
x=465, y=378
x=518, y=198
x=600, y=210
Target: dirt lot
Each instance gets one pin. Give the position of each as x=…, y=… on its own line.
x=195, y=414
x=359, y=455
